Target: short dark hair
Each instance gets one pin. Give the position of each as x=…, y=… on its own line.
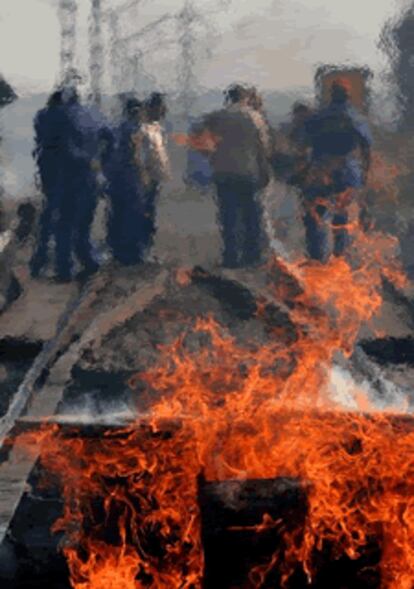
x=339, y=92
x=156, y=99
x=156, y=106
x=132, y=105
x=236, y=93
x=301, y=108
x=56, y=98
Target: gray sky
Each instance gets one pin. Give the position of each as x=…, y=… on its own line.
x=273, y=43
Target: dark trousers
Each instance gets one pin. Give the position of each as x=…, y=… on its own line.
x=124, y=235
x=240, y=220
x=125, y=222
x=76, y=215
x=46, y=230
x=148, y=221
x=326, y=232
x=50, y=171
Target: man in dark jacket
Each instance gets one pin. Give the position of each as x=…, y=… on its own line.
x=238, y=160
x=77, y=208
x=340, y=142
x=125, y=188
x=50, y=136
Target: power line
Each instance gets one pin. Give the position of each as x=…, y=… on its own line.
x=186, y=18
x=96, y=57
x=147, y=29
x=67, y=14
x=122, y=8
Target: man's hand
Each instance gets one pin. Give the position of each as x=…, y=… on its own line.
x=96, y=166
x=344, y=199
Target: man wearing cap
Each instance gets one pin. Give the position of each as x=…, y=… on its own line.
x=340, y=143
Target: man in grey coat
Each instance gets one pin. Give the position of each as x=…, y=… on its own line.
x=239, y=163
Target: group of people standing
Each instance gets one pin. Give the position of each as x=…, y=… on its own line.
x=80, y=156
x=324, y=153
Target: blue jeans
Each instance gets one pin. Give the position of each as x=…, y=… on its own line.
x=50, y=170
x=76, y=213
x=324, y=226
x=148, y=223
x=125, y=223
x=47, y=229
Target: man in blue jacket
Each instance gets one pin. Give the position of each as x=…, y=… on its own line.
x=125, y=188
x=340, y=143
x=78, y=204
x=50, y=139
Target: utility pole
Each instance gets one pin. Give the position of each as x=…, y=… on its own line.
x=67, y=13
x=115, y=50
x=188, y=18
x=188, y=40
x=137, y=69
x=96, y=56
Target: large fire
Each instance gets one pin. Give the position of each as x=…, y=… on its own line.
x=229, y=412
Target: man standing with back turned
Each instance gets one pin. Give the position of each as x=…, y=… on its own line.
x=239, y=162
x=340, y=143
x=50, y=151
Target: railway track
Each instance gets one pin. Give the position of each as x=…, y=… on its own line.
x=89, y=318
x=78, y=328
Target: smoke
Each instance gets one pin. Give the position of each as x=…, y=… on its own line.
x=92, y=409
x=356, y=394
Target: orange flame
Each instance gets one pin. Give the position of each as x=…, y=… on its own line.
x=233, y=411
x=205, y=141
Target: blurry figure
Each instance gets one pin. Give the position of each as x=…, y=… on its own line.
x=255, y=110
x=66, y=136
x=79, y=199
x=152, y=160
x=51, y=127
x=26, y=214
x=198, y=168
x=290, y=158
x=340, y=142
x=301, y=112
x=234, y=140
x=125, y=188
x=299, y=142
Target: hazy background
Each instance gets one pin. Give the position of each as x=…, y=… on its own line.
x=275, y=44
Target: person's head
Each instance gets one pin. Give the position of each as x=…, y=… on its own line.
x=301, y=111
x=155, y=107
x=55, y=99
x=70, y=95
x=237, y=94
x=340, y=91
x=133, y=108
